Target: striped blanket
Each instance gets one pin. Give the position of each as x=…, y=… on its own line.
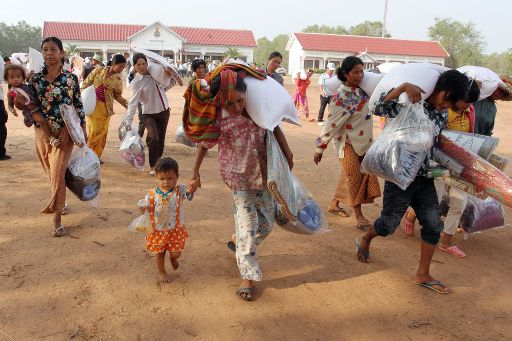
x=201, y=110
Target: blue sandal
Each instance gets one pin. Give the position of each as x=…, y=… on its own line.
x=430, y=285
x=359, y=252
x=245, y=293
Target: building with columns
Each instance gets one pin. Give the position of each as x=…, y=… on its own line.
x=178, y=43
x=315, y=50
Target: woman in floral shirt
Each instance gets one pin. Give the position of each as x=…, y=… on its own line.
x=350, y=125
x=53, y=87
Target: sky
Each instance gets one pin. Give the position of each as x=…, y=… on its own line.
x=407, y=19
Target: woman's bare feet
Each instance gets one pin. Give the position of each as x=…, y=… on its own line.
x=175, y=264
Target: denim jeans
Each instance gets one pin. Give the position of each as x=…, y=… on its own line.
x=422, y=197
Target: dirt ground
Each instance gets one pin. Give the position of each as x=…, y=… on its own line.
x=98, y=283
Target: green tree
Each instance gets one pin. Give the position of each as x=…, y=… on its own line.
x=18, y=37
x=325, y=29
x=71, y=50
x=265, y=47
x=368, y=28
x=501, y=63
x=232, y=52
x=463, y=41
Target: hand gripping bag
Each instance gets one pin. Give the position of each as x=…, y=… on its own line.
x=399, y=152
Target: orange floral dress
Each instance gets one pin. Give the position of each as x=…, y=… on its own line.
x=168, y=232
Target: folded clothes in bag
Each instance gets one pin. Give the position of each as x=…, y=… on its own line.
x=297, y=211
x=83, y=174
x=399, y=152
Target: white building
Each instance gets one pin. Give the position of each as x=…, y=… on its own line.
x=179, y=43
x=315, y=50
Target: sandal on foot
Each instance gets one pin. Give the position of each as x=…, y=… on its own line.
x=453, y=250
x=339, y=211
x=363, y=225
x=431, y=285
x=359, y=252
x=245, y=293
x=231, y=245
x=408, y=227
x=59, y=231
x=65, y=210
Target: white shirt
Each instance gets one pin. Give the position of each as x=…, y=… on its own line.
x=150, y=93
x=321, y=81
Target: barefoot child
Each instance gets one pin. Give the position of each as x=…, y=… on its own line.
x=21, y=96
x=165, y=205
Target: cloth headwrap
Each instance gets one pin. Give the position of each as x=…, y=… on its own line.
x=201, y=111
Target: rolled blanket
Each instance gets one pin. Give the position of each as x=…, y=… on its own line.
x=201, y=111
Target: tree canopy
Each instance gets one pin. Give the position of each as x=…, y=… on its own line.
x=367, y=28
x=18, y=38
x=463, y=41
x=265, y=47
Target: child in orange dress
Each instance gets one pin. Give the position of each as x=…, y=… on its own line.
x=165, y=206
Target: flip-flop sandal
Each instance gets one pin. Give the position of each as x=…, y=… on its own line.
x=65, y=210
x=231, y=245
x=430, y=285
x=59, y=231
x=245, y=293
x=363, y=225
x=365, y=254
x=339, y=212
x=453, y=250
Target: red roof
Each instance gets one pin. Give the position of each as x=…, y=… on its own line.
x=121, y=32
x=357, y=44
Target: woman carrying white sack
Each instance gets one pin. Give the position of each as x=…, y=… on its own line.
x=350, y=125
x=155, y=106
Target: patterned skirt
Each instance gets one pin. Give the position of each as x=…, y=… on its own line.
x=172, y=240
x=355, y=188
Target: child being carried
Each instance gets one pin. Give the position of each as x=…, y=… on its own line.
x=23, y=98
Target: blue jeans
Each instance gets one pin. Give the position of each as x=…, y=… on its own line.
x=422, y=197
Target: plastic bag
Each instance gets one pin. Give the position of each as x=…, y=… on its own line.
x=399, y=152
x=89, y=100
x=297, y=211
x=83, y=174
x=182, y=138
x=121, y=131
x=479, y=172
x=482, y=214
x=132, y=150
x=72, y=121
x=498, y=161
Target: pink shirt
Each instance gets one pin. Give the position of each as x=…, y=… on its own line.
x=242, y=153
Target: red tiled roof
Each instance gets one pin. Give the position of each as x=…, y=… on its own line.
x=215, y=36
x=89, y=31
x=356, y=44
x=120, y=32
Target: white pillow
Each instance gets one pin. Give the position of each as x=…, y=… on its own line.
x=489, y=79
x=424, y=75
x=89, y=99
x=268, y=103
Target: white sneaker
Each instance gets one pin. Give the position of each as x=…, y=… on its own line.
x=321, y=124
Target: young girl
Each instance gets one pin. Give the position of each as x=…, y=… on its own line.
x=24, y=99
x=165, y=205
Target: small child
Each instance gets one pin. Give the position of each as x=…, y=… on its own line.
x=165, y=207
x=21, y=95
